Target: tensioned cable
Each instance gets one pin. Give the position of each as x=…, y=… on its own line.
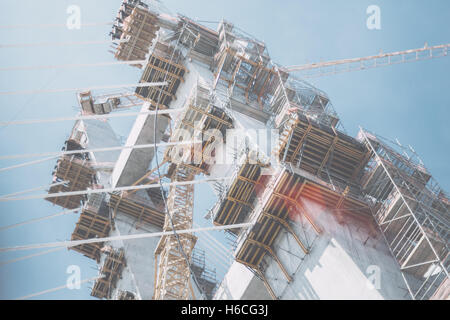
x=76, y=65
x=214, y=256
x=74, y=243
x=90, y=117
x=2, y=263
x=93, y=191
x=20, y=26
x=39, y=219
x=219, y=259
x=34, y=189
x=63, y=153
x=114, y=86
x=56, y=289
x=25, y=164
x=57, y=44
x=219, y=246
x=57, y=155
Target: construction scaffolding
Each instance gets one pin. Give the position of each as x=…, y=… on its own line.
x=296, y=96
x=412, y=214
x=138, y=208
x=138, y=30
x=105, y=104
x=321, y=150
x=94, y=222
x=164, y=64
x=236, y=201
x=234, y=84
x=124, y=12
x=74, y=170
x=109, y=274
x=206, y=277
x=244, y=63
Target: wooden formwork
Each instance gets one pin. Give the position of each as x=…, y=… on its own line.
x=238, y=200
x=202, y=41
x=283, y=202
x=79, y=176
x=254, y=77
x=93, y=223
x=140, y=28
x=210, y=118
x=248, y=70
x=161, y=67
x=77, y=171
x=111, y=271
x=322, y=150
x=137, y=208
x=67, y=202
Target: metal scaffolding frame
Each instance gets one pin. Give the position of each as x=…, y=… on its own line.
x=412, y=213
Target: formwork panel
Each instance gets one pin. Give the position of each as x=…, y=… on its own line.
x=110, y=272
x=93, y=223
x=136, y=207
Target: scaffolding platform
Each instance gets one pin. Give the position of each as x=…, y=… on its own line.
x=237, y=201
x=321, y=150
x=206, y=277
x=284, y=200
x=139, y=29
x=161, y=63
x=78, y=175
x=202, y=41
x=138, y=208
x=243, y=62
x=110, y=272
x=201, y=115
x=294, y=95
x=94, y=222
x=412, y=214
x=125, y=10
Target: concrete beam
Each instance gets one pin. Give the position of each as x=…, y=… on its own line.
x=133, y=163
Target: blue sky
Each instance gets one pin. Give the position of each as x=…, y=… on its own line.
x=405, y=101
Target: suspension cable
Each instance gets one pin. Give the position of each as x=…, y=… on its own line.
x=114, y=86
x=89, y=117
x=93, y=191
x=74, y=243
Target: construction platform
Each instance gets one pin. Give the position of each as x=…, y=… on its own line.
x=237, y=201
x=94, y=222
x=295, y=95
x=164, y=64
x=243, y=62
x=281, y=202
x=136, y=207
x=109, y=274
x=412, y=213
x=78, y=175
x=138, y=31
x=321, y=150
x=206, y=278
x=201, y=116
